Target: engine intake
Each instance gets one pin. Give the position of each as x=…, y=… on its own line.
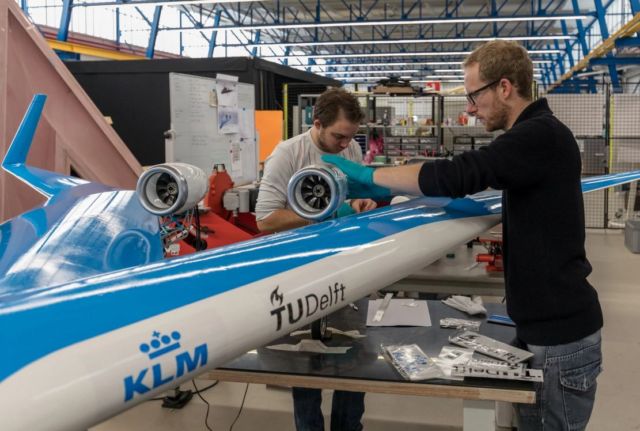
x=171, y=188
x=316, y=192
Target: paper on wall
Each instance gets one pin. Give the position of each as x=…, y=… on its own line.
x=227, y=90
x=227, y=120
x=236, y=158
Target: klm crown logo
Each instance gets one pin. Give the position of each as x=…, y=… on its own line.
x=161, y=344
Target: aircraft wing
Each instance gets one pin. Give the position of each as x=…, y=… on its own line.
x=96, y=356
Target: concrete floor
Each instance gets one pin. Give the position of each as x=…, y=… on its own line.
x=616, y=276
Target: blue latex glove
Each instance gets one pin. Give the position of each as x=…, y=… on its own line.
x=344, y=210
x=360, y=178
x=355, y=171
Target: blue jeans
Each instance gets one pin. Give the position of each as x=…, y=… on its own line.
x=564, y=400
x=347, y=409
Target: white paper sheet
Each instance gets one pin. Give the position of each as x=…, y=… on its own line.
x=400, y=312
x=353, y=333
x=227, y=120
x=227, y=90
x=313, y=346
x=236, y=158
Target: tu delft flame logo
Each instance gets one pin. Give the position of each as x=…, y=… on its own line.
x=276, y=296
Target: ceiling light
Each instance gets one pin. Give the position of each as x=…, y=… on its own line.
x=421, y=81
x=461, y=71
x=395, y=54
x=372, y=71
x=398, y=41
x=401, y=63
x=157, y=3
x=426, y=21
x=364, y=78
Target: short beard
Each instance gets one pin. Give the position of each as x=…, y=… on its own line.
x=499, y=119
x=323, y=146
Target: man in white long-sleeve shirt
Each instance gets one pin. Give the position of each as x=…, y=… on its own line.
x=337, y=116
x=336, y=119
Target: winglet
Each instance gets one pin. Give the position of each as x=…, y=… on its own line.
x=21, y=143
x=45, y=182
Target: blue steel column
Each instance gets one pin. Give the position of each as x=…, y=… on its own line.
x=24, y=6
x=256, y=41
x=287, y=51
x=214, y=34
x=65, y=19
x=556, y=45
x=552, y=65
x=118, y=31
x=547, y=75
x=180, y=41
x=153, y=35
x=604, y=31
x=567, y=44
x=582, y=39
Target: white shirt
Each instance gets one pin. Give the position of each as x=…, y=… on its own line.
x=286, y=159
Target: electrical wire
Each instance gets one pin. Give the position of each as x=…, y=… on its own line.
x=241, y=406
x=206, y=415
x=206, y=388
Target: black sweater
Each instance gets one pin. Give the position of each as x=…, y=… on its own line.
x=537, y=165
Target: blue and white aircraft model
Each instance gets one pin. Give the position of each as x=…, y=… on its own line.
x=94, y=319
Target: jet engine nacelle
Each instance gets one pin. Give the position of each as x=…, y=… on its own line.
x=171, y=188
x=317, y=191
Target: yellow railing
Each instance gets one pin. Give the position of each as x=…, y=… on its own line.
x=92, y=51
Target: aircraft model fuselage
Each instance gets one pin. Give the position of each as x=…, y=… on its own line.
x=95, y=320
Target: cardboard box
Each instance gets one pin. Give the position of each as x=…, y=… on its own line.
x=632, y=235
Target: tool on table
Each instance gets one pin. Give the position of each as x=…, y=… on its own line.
x=383, y=307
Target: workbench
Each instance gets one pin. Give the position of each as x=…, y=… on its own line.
x=364, y=369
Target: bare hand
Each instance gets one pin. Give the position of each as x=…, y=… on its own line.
x=361, y=205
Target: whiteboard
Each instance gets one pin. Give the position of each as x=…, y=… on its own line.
x=196, y=138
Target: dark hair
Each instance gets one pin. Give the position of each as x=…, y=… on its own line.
x=504, y=59
x=332, y=102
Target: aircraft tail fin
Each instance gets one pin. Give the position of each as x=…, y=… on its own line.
x=45, y=182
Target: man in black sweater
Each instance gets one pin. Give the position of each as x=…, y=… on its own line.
x=536, y=163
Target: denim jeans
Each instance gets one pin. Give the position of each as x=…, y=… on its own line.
x=347, y=409
x=564, y=400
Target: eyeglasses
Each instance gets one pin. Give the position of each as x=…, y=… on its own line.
x=471, y=96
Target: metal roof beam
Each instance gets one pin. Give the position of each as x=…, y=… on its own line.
x=195, y=22
x=373, y=5
x=616, y=61
x=630, y=28
x=153, y=34
x=627, y=42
